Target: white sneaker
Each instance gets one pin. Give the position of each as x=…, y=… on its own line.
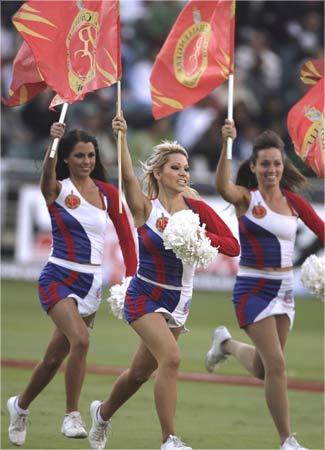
x=18, y=423
x=99, y=431
x=73, y=425
x=215, y=354
x=291, y=444
x=174, y=443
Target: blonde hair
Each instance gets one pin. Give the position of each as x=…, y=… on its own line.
x=158, y=159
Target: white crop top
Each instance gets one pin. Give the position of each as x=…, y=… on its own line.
x=78, y=227
x=267, y=238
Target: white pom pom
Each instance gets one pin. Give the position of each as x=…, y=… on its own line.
x=117, y=297
x=184, y=235
x=313, y=275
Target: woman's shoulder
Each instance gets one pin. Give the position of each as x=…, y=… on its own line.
x=191, y=201
x=105, y=186
x=291, y=194
x=294, y=197
x=299, y=203
x=199, y=205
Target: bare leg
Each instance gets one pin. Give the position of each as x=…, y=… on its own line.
x=46, y=369
x=158, y=349
x=162, y=344
x=247, y=355
x=130, y=381
x=269, y=336
x=67, y=318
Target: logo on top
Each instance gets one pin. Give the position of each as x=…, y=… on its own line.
x=72, y=201
x=161, y=222
x=259, y=211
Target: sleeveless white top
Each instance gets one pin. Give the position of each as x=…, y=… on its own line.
x=266, y=238
x=155, y=262
x=78, y=227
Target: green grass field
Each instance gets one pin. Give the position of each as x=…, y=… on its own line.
x=209, y=416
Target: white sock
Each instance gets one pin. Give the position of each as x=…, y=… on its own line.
x=99, y=417
x=19, y=410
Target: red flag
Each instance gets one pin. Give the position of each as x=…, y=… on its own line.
x=26, y=78
x=197, y=56
x=306, y=128
x=312, y=71
x=76, y=44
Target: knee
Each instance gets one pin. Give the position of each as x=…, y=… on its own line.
x=276, y=367
x=171, y=361
x=80, y=344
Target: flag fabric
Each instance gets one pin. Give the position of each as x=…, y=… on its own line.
x=306, y=128
x=76, y=44
x=26, y=78
x=312, y=71
x=197, y=56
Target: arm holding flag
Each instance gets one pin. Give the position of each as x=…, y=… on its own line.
x=232, y=193
x=139, y=204
x=49, y=184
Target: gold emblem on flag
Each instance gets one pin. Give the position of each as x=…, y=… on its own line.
x=316, y=129
x=191, y=54
x=81, y=49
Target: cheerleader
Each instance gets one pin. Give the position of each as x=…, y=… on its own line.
x=268, y=210
x=159, y=296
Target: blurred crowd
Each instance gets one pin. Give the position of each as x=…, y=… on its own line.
x=273, y=40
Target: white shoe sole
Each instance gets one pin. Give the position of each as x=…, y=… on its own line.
x=81, y=435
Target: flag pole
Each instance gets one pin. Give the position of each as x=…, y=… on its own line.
x=61, y=120
x=119, y=149
x=230, y=111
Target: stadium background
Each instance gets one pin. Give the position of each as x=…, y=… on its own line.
x=273, y=40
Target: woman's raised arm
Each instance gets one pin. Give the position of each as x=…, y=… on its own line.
x=229, y=191
x=138, y=203
x=50, y=187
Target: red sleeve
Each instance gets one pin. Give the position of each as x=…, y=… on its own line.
x=306, y=213
x=122, y=227
x=217, y=231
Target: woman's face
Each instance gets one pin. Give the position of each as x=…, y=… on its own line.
x=268, y=168
x=174, y=174
x=82, y=159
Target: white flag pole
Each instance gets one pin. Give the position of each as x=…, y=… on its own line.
x=61, y=120
x=119, y=149
x=230, y=111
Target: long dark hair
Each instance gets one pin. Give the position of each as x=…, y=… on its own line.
x=291, y=179
x=67, y=144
